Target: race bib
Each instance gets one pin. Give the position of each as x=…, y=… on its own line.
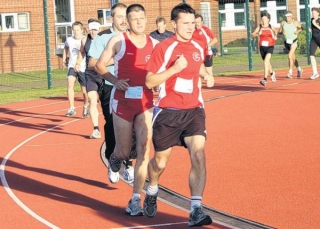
x=134, y=92
x=183, y=85
x=265, y=43
x=288, y=41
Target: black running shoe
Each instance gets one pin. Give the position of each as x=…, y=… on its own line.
x=198, y=218
x=150, y=205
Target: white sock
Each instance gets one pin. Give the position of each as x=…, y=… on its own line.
x=315, y=70
x=290, y=71
x=195, y=200
x=135, y=195
x=299, y=69
x=152, y=190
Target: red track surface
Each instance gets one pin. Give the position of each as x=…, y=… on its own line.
x=263, y=161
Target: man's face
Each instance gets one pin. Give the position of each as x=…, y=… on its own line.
x=137, y=21
x=288, y=18
x=199, y=23
x=77, y=31
x=119, y=20
x=184, y=26
x=94, y=32
x=161, y=27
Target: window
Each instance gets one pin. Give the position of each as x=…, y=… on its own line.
x=104, y=16
x=276, y=9
x=14, y=22
x=205, y=12
x=63, y=32
x=235, y=12
x=63, y=11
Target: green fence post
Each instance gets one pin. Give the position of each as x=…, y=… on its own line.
x=249, y=35
x=220, y=34
x=184, y=1
x=308, y=25
x=46, y=30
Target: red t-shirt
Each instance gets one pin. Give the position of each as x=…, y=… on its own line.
x=206, y=35
x=130, y=63
x=266, y=37
x=180, y=91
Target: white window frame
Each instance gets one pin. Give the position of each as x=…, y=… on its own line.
x=230, y=11
x=272, y=9
x=15, y=22
x=106, y=20
x=60, y=46
x=312, y=3
x=206, y=13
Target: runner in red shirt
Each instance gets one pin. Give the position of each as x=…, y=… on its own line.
x=131, y=101
x=268, y=37
x=179, y=119
x=203, y=33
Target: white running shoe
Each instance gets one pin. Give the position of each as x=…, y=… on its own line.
x=289, y=75
x=71, y=112
x=314, y=76
x=128, y=174
x=85, y=113
x=95, y=134
x=113, y=176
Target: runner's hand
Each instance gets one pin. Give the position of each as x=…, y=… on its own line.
x=209, y=80
x=122, y=85
x=180, y=64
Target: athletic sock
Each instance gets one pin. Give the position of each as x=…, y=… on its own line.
x=96, y=127
x=265, y=78
x=315, y=70
x=195, y=200
x=152, y=190
x=299, y=69
x=135, y=196
x=128, y=163
x=290, y=71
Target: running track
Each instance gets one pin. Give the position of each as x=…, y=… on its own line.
x=263, y=161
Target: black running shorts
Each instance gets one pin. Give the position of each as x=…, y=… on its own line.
x=171, y=126
x=79, y=75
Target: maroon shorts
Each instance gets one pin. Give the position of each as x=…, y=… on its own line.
x=128, y=109
x=170, y=126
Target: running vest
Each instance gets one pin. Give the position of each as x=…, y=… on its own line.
x=289, y=29
x=315, y=30
x=266, y=37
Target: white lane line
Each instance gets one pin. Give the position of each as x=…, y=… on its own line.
x=149, y=226
x=7, y=187
x=25, y=108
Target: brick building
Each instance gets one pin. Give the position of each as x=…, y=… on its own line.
x=22, y=30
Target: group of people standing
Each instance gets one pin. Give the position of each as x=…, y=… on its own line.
x=125, y=67
x=290, y=29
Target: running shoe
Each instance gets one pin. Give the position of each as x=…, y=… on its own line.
x=150, y=205
x=198, y=218
x=71, y=112
x=113, y=176
x=314, y=76
x=299, y=74
x=95, y=134
x=134, y=207
x=113, y=169
x=289, y=75
x=85, y=113
x=128, y=174
x=273, y=77
x=263, y=82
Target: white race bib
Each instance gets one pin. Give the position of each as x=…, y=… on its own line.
x=265, y=43
x=183, y=85
x=134, y=92
x=288, y=41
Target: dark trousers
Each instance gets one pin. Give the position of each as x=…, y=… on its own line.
x=108, y=126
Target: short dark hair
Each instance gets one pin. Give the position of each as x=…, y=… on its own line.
x=77, y=23
x=265, y=14
x=136, y=8
x=315, y=9
x=160, y=19
x=199, y=16
x=118, y=5
x=181, y=8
